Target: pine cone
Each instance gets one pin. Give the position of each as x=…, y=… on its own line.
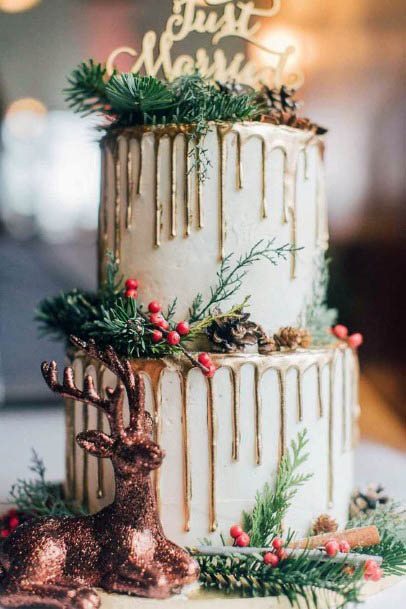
x=233, y=333
x=267, y=345
x=324, y=524
x=279, y=99
x=369, y=499
x=293, y=338
x=234, y=88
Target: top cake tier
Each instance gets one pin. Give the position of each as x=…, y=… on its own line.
x=172, y=231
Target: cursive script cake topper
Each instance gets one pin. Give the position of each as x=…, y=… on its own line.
x=220, y=19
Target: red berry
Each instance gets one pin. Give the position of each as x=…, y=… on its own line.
x=154, y=307
x=163, y=324
x=131, y=294
x=183, y=328
x=372, y=570
x=204, y=359
x=209, y=373
x=243, y=540
x=281, y=554
x=355, y=340
x=4, y=533
x=173, y=338
x=332, y=547
x=236, y=531
x=271, y=559
x=340, y=331
x=344, y=547
x=156, y=336
x=156, y=319
x=277, y=543
x=131, y=284
x=13, y=522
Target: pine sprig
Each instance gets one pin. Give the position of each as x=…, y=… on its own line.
x=300, y=579
x=86, y=92
x=37, y=497
x=271, y=504
x=230, y=277
x=141, y=97
x=390, y=520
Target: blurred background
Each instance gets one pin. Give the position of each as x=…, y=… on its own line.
x=353, y=57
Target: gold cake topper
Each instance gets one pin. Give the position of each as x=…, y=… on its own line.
x=221, y=19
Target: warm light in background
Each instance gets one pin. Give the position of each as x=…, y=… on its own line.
x=17, y=6
x=25, y=117
x=26, y=104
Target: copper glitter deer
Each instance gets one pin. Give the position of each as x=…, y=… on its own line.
x=57, y=561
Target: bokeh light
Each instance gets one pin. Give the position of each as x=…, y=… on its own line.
x=17, y=6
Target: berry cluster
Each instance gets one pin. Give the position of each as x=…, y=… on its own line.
x=241, y=538
x=9, y=522
x=341, y=332
x=162, y=330
x=332, y=547
x=274, y=556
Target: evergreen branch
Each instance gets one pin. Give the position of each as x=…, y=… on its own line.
x=86, y=92
x=271, y=505
x=390, y=520
x=300, y=579
x=200, y=326
x=230, y=278
x=142, y=95
x=317, y=317
x=37, y=497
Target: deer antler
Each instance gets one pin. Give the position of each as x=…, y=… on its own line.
x=133, y=383
x=112, y=405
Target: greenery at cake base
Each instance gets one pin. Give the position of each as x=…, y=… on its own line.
x=299, y=578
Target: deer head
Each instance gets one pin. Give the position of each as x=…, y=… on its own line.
x=131, y=449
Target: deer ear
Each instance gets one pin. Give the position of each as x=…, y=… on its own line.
x=96, y=443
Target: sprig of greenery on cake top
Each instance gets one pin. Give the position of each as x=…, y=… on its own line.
x=115, y=315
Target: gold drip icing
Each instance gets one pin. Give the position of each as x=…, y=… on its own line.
x=235, y=372
x=306, y=163
x=129, y=185
x=282, y=408
x=158, y=206
x=212, y=433
x=299, y=381
x=140, y=166
x=221, y=133
x=153, y=371
x=319, y=389
x=186, y=196
x=103, y=220
x=101, y=491
x=117, y=201
x=199, y=196
x=187, y=480
x=239, y=169
x=344, y=401
x=258, y=416
x=174, y=230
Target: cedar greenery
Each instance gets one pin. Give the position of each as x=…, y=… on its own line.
x=37, y=497
x=230, y=277
x=317, y=317
x=271, y=505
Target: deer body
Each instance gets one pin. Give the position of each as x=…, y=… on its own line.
x=122, y=548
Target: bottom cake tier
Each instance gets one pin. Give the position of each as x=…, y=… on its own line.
x=224, y=437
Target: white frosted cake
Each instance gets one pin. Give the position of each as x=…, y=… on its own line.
x=224, y=436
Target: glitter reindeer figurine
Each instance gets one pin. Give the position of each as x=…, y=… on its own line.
x=57, y=561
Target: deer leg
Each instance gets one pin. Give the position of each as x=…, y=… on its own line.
x=138, y=581
x=48, y=595
x=179, y=566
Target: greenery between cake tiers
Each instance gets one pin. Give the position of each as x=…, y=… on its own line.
x=122, y=322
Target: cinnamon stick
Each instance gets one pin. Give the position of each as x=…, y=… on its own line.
x=357, y=538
